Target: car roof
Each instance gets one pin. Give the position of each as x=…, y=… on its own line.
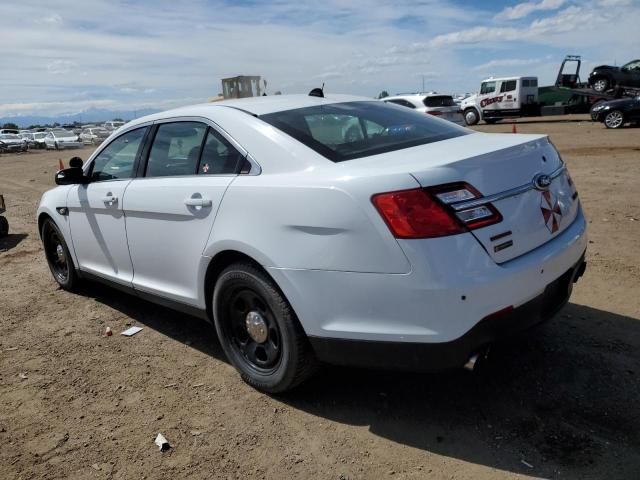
x=253, y=105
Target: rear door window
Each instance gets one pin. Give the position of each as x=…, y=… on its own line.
x=176, y=149
x=439, y=101
x=219, y=156
x=508, y=86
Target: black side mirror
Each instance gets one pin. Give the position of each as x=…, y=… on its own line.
x=75, y=162
x=70, y=176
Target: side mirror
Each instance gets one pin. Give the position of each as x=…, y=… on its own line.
x=75, y=162
x=70, y=176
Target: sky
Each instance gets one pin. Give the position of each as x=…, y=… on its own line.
x=62, y=56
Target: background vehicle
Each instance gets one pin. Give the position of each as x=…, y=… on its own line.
x=59, y=138
x=443, y=106
x=514, y=97
x=9, y=130
x=370, y=249
x=615, y=113
x=12, y=142
x=39, y=139
x=29, y=138
x=94, y=135
x=606, y=77
x=113, y=125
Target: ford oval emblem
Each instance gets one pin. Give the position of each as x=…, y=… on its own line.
x=541, y=182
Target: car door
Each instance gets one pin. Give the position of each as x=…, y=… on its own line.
x=96, y=215
x=170, y=210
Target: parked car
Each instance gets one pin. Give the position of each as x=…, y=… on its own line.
x=12, y=131
x=59, y=138
x=94, y=136
x=414, y=246
x=113, y=125
x=39, y=139
x=606, y=77
x=615, y=113
x=12, y=142
x=29, y=138
x=443, y=106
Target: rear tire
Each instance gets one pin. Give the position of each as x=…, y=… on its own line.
x=58, y=256
x=614, y=119
x=259, y=331
x=471, y=116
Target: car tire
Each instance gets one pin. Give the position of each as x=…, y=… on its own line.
x=471, y=116
x=58, y=256
x=601, y=84
x=614, y=119
x=4, y=227
x=56, y=146
x=259, y=331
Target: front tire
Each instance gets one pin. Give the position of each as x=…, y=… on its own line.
x=259, y=331
x=58, y=256
x=471, y=116
x=614, y=119
x=601, y=85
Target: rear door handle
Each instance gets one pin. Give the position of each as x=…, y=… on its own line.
x=110, y=199
x=197, y=202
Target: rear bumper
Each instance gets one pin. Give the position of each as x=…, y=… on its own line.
x=454, y=353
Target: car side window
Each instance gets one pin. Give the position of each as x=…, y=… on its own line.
x=117, y=159
x=219, y=157
x=176, y=149
x=487, y=87
x=508, y=86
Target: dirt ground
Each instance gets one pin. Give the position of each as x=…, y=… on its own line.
x=561, y=402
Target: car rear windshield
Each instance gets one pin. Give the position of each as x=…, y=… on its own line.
x=440, y=101
x=345, y=131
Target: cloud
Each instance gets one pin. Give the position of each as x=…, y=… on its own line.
x=524, y=9
x=61, y=67
x=510, y=62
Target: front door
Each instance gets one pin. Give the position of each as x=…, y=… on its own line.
x=96, y=216
x=171, y=209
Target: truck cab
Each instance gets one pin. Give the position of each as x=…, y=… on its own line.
x=499, y=98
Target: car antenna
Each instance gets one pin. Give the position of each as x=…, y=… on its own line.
x=317, y=92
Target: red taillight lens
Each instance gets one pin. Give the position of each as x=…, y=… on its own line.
x=436, y=211
x=415, y=214
x=435, y=113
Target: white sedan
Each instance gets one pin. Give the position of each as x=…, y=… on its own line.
x=412, y=244
x=60, y=138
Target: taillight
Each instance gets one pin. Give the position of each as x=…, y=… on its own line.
x=435, y=212
x=435, y=113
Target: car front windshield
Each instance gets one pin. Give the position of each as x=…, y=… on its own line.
x=62, y=133
x=345, y=131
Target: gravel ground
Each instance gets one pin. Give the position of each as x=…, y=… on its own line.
x=560, y=402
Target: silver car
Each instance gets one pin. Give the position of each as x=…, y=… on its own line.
x=59, y=138
x=12, y=142
x=94, y=136
x=442, y=106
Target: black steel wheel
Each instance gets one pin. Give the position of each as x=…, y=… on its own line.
x=259, y=331
x=58, y=256
x=601, y=84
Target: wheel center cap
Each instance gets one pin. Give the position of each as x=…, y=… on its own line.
x=256, y=327
x=60, y=253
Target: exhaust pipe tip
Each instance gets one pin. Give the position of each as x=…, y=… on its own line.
x=471, y=363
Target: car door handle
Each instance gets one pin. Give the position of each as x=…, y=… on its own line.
x=197, y=202
x=110, y=199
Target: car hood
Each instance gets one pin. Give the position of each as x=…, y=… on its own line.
x=622, y=102
x=605, y=67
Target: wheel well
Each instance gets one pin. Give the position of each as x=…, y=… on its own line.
x=41, y=218
x=217, y=264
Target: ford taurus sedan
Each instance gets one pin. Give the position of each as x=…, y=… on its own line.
x=413, y=245
x=60, y=138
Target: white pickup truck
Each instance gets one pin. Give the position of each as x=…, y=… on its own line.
x=499, y=98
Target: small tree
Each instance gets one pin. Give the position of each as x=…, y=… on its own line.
x=10, y=125
x=383, y=94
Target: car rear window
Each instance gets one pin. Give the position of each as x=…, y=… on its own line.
x=345, y=131
x=440, y=101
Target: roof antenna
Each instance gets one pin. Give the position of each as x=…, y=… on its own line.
x=317, y=92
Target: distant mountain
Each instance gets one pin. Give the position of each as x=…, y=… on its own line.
x=91, y=115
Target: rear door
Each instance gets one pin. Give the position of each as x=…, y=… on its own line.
x=171, y=208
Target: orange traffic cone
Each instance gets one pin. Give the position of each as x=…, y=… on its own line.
x=60, y=164
x=514, y=129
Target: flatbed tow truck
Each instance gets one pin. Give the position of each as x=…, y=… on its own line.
x=516, y=97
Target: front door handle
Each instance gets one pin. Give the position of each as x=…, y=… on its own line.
x=110, y=200
x=197, y=202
